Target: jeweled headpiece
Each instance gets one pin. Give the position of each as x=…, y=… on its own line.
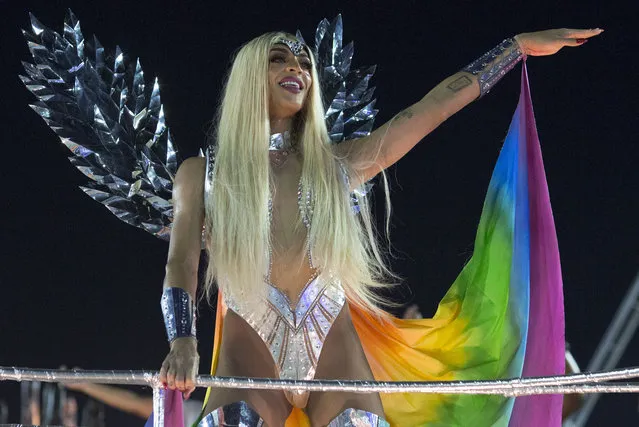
x=296, y=46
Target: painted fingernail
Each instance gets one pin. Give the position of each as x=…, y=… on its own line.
x=581, y=41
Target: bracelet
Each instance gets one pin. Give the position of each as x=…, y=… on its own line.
x=494, y=64
x=179, y=313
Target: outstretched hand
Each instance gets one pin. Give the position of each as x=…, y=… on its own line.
x=549, y=42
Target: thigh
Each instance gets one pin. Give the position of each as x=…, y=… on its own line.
x=244, y=354
x=342, y=358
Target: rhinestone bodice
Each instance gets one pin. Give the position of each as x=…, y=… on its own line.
x=295, y=335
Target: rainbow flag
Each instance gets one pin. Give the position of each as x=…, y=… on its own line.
x=503, y=316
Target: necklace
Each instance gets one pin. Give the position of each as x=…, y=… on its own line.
x=280, y=147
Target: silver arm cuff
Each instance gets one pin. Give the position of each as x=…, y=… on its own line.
x=179, y=313
x=494, y=64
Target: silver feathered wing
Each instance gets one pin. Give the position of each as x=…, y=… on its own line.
x=102, y=110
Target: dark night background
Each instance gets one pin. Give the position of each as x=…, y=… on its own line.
x=81, y=288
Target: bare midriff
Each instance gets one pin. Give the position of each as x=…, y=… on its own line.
x=290, y=268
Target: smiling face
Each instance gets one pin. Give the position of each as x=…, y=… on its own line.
x=290, y=79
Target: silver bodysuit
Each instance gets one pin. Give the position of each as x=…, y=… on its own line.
x=295, y=335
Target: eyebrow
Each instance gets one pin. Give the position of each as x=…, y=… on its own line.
x=286, y=50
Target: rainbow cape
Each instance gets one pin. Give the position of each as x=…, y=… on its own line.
x=502, y=318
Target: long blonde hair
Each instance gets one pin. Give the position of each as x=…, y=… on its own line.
x=343, y=245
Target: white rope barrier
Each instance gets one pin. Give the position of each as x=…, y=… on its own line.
x=583, y=383
x=576, y=383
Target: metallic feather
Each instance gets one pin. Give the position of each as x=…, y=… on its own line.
x=348, y=100
x=100, y=107
x=113, y=124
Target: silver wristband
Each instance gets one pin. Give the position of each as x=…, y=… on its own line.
x=179, y=313
x=494, y=64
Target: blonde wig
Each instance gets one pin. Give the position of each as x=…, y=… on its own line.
x=343, y=245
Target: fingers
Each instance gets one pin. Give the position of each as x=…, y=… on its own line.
x=570, y=33
x=171, y=376
x=178, y=373
x=574, y=42
x=179, y=380
x=163, y=371
x=189, y=384
x=167, y=373
x=574, y=38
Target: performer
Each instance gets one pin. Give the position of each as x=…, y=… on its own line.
x=289, y=234
x=298, y=272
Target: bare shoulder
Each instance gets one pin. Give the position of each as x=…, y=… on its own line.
x=188, y=186
x=191, y=171
x=188, y=213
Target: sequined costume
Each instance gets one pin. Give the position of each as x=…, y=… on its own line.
x=295, y=335
x=502, y=317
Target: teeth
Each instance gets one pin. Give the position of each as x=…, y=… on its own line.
x=290, y=84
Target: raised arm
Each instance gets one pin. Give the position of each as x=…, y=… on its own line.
x=180, y=366
x=386, y=145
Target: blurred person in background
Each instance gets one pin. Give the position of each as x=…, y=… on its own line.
x=4, y=412
x=140, y=405
x=48, y=404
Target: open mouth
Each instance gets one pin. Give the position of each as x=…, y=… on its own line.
x=291, y=84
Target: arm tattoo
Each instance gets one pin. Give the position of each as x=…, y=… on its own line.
x=459, y=84
x=404, y=115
